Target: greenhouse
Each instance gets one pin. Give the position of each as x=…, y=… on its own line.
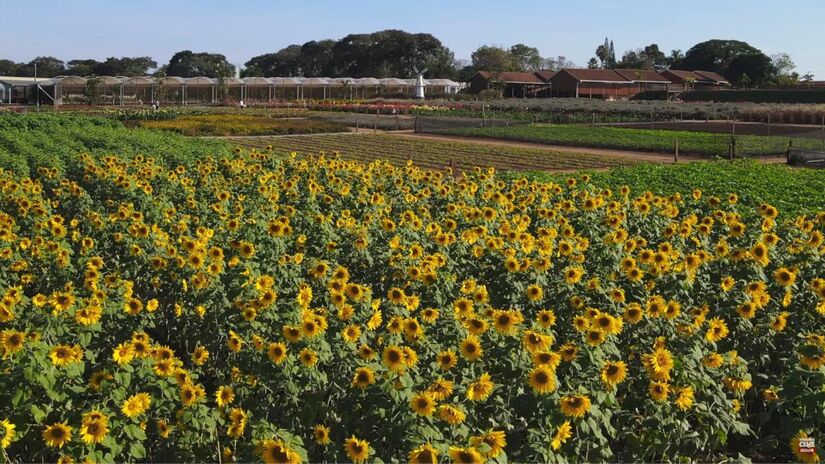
x=174, y=90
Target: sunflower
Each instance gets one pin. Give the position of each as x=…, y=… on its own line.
x=447, y=360
x=633, y=313
x=321, y=434
x=494, y=441
x=549, y=359
x=308, y=357
x=481, y=388
x=595, y=337
x=543, y=380
x=441, y=389
x=93, y=432
x=276, y=352
x=351, y=333
x=471, y=348
x=807, y=456
x=363, y=377
x=424, y=454
x=712, y=360
x=12, y=341
x=784, y=276
x=393, y=358
x=451, y=414
x=423, y=404
x=57, y=435
x=191, y=393
x=658, y=391
x=546, y=318
x=534, y=341
x=357, y=450
x=465, y=456
x=563, y=433
x=62, y=355
x=568, y=352
x=573, y=275
x=224, y=396
x=613, y=373
x=535, y=292
x=200, y=355
x=136, y=405
x=276, y=452
x=659, y=364
x=7, y=431
x=684, y=400
x=575, y=405
x=717, y=330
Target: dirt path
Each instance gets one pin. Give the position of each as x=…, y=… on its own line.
x=634, y=155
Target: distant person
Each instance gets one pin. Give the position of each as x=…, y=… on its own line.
x=243, y=105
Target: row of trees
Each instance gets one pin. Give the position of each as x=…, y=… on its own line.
x=389, y=53
x=738, y=61
x=395, y=53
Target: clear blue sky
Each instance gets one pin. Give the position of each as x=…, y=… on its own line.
x=74, y=29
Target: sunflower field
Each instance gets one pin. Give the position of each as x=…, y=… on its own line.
x=246, y=307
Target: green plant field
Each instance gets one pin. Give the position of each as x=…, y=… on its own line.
x=29, y=141
x=702, y=143
x=241, y=124
x=433, y=154
x=792, y=190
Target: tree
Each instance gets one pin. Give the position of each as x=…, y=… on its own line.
x=635, y=59
x=558, y=63
x=316, y=58
x=593, y=63
x=81, y=67
x=783, y=63
x=656, y=56
x=756, y=67
x=47, y=66
x=719, y=55
x=8, y=68
x=188, y=64
x=675, y=55
x=492, y=58
x=603, y=53
x=525, y=58
x=126, y=66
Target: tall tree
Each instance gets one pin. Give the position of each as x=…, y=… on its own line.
x=188, y=64
x=47, y=66
x=8, y=67
x=492, y=58
x=81, y=67
x=783, y=63
x=635, y=59
x=719, y=56
x=525, y=58
x=593, y=63
x=126, y=66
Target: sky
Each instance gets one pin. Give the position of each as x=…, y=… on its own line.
x=241, y=29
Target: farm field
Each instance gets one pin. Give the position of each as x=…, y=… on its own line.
x=240, y=124
x=167, y=298
x=653, y=140
x=431, y=154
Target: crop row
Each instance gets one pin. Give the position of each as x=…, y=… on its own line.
x=434, y=154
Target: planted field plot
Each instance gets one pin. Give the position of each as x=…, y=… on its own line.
x=433, y=154
x=653, y=140
x=240, y=124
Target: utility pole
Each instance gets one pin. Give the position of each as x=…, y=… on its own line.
x=37, y=86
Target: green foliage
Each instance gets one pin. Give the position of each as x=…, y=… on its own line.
x=792, y=190
x=29, y=141
x=703, y=143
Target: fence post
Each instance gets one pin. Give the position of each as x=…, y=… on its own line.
x=357, y=121
x=823, y=132
x=651, y=117
x=676, y=151
x=396, y=122
x=375, y=125
x=788, y=154
x=732, y=147
x=484, y=114
x=593, y=115
x=769, y=123
x=415, y=124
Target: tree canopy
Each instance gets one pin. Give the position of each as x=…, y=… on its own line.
x=189, y=64
x=733, y=59
x=388, y=53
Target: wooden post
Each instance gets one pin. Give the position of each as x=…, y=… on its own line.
x=357, y=120
x=790, y=147
x=375, y=125
x=396, y=122
x=676, y=151
x=651, y=117
x=769, y=123
x=415, y=124
x=823, y=132
x=593, y=117
x=732, y=147
x=484, y=114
